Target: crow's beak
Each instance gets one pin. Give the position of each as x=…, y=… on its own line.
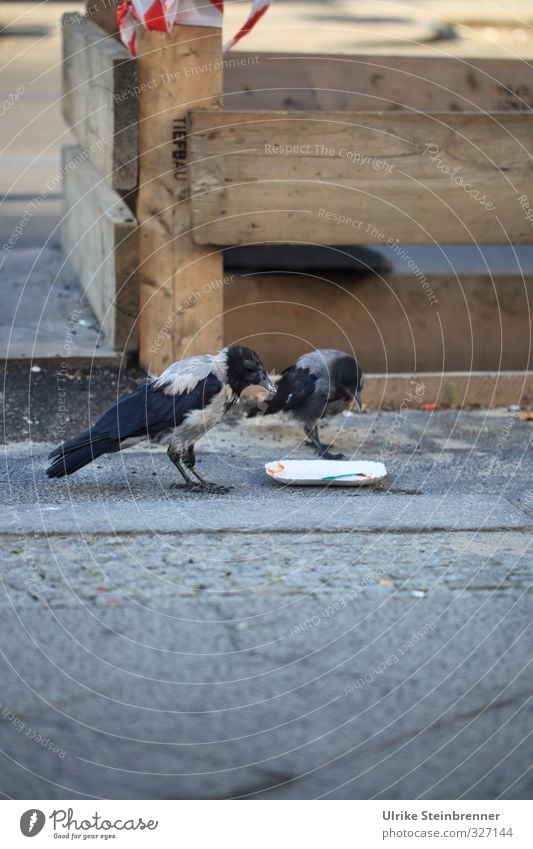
x=267, y=384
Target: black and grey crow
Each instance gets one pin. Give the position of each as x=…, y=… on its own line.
x=185, y=401
x=321, y=383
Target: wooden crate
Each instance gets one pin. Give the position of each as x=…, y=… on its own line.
x=308, y=149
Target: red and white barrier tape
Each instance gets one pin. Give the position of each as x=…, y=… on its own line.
x=163, y=14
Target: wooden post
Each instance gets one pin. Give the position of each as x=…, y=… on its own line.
x=181, y=300
x=103, y=13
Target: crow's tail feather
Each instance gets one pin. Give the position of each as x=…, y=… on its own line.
x=78, y=452
x=71, y=444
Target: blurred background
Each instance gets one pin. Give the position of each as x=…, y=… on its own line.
x=494, y=281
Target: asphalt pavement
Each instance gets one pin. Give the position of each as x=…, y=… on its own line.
x=275, y=642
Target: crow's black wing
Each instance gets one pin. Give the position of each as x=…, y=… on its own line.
x=151, y=410
x=144, y=413
x=295, y=386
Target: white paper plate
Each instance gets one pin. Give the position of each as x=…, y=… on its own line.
x=326, y=472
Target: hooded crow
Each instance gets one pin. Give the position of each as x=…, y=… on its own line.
x=321, y=383
x=188, y=399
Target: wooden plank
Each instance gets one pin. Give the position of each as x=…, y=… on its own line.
x=100, y=100
x=361, y=178
x=421, y=320
x=449, y=389
x=180, y=295
x=338, y=83
x=99, y=236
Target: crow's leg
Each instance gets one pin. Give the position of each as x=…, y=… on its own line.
x=322, y=450
x=175, y=457
x=190, y=458
x=208, y=486
x=203, y=484
x=314, y=439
